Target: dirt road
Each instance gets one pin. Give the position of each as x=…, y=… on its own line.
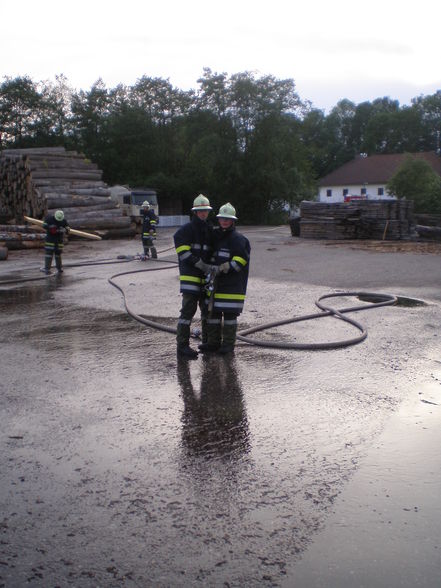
x=122, y=466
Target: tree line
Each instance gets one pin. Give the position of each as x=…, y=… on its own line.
x=241, y=138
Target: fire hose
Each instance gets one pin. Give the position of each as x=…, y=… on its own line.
x=375, y=300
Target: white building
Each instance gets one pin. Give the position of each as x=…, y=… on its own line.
x=365, y=177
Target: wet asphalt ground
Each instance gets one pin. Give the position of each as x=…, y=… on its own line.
x=122, y=465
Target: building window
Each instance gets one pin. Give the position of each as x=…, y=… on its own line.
x=363, y=191
x=380, y=191
x=328, y=192
x=345, y=191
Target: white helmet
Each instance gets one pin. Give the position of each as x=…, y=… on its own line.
x=201, y=202
x=227, y=211
x=59, y=215
x=146, y=204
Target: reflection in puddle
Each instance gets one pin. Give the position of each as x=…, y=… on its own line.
x=214, y=421
x=27, y=294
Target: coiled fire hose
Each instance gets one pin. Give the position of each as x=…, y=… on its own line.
x=375, y=300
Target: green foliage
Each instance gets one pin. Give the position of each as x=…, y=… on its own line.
x=242, y=138
x=415, y=180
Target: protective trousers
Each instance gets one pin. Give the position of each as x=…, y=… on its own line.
x=188, y=310
x=222, y=334
x=147, y=243
x=49, y=252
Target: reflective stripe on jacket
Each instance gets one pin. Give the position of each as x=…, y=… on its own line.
x=54, y=232
x=233, y=248
x=149, y=222
x=193, y=241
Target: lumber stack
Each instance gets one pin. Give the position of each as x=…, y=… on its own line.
x=21, y=237
x=363, y=219
x=36, y=182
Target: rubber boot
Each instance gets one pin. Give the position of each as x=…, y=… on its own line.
x=154, y=252
x=229, y=337
x=183, y=340
x=47, y=262
x=214, y=330
x=204, y=334
x=58, y=264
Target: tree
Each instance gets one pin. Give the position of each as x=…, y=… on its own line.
x=19, y=101
x=394, y=132
x=90, y=111
x=429, y=109
x=416, y=180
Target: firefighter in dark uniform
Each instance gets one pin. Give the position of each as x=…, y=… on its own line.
x=149, y=222
x=193, y=243
x=232, y=256
x=56, y=227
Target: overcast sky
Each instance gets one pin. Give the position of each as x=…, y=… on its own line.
x=332, y=50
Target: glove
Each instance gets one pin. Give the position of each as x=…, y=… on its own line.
x=224, y=267
x=204, y=267
x=214, y=270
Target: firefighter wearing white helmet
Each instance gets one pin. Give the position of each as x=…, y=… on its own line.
x=232, y=256
x=149, y=223
x=193, y=243
x=201, y=202
x=56, y=227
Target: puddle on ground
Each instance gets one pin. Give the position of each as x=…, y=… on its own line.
x=27, y=294
x=401, y=300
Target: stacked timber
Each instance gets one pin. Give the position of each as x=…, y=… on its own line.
x=36, y=182
x=21, y=236
x=363, y=219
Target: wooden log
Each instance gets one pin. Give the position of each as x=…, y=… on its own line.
x=20, y=229
x=73, y=200
x=67, y=175
x=57, y=186
x=19, y=244
x=429, y=232
x=97, y=223
x=90, y=191
x=94, y=215
x=77, y=209
x=10, y=236
x=118, y=233
x=73, y=231
x=29, y=150
x=3, y=253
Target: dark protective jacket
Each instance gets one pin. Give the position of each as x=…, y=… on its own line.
x=149, y=222
x=233, y=248
x=193, y=241
x=55, y=231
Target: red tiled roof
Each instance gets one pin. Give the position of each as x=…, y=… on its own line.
x=375, y=169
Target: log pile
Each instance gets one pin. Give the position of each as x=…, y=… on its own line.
x=36, y=182
x=431, y=233
x=364, y=219
x=21, y=236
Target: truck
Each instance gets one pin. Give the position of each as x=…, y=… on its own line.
x=130, y=201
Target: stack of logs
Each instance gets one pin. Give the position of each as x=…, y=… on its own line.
x=36, y=182
x=363, y=219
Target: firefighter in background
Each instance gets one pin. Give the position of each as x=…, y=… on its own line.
x=56, y=227
x=149, y=222
x=232, y=256
x=193, y=243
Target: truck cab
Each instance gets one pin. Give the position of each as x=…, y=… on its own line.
x=130, y=201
